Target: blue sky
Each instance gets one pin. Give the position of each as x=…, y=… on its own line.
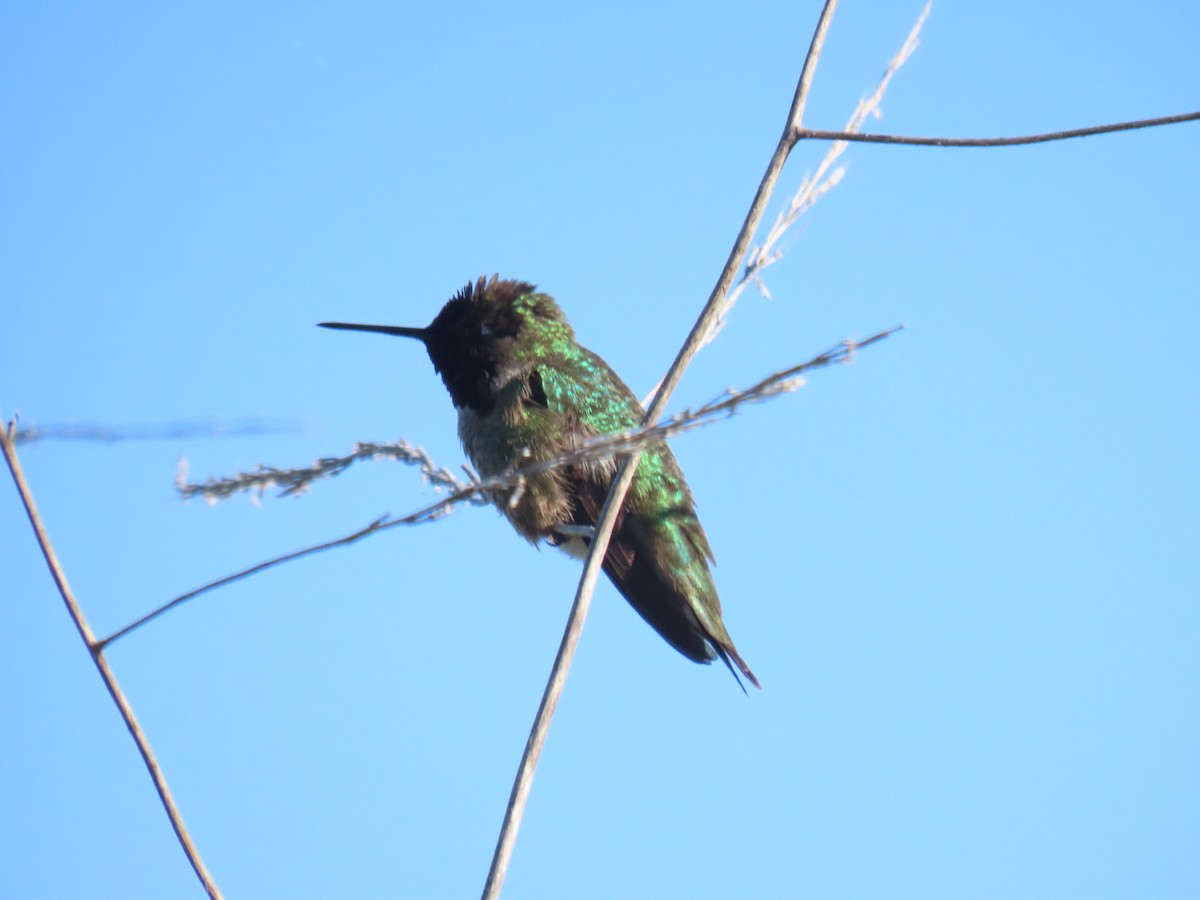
x=963, y=568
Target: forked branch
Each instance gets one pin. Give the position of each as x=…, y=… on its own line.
x=96, y=651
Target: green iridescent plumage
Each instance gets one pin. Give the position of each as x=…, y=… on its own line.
x=526, y=391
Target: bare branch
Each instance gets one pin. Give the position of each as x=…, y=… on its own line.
x=246, y=573
x=8, y=444
x=816, y=134
x=624, y=477
x=478, y=491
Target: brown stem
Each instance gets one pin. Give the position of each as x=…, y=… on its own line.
x=96, y=651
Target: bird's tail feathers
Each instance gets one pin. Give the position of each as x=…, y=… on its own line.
x=730, y=657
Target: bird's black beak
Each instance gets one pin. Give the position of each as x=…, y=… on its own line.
x=420, y=334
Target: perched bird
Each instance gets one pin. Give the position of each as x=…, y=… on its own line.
x=526, y=391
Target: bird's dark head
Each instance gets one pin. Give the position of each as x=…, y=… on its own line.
x=485, y=334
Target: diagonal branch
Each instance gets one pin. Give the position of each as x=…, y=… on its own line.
x=382, y=522
x=607, y=519
x=96, y=650
x=600, y=446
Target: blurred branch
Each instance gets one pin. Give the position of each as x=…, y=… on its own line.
x=480, y=491
x=159, y=431
x=96, y=651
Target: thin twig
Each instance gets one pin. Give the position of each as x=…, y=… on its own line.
x=817, y=134
x=95, y=650
x=607, y=519
x=603, y=445
x=379, y=523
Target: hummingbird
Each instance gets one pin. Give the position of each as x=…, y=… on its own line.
x=526, y=391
